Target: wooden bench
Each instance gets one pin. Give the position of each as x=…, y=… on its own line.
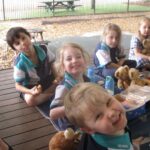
x=23, y=127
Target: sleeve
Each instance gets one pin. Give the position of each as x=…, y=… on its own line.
x=103, y=57
x=19, y=75
x=121, y=53
x=135, y=43
x=51, y=56
x=59, y=94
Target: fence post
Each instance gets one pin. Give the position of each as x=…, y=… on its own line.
x=128, y=5
x=3, y=3
x=93, y=5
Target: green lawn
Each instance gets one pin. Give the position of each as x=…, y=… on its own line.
x=109, y=8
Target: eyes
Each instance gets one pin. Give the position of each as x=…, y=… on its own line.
x=19, y=40
x=107, y=105
x=69, y=58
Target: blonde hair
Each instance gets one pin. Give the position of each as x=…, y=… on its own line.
x=145, y=19
x=111, y=27
x=80, y=98
x=59, y=63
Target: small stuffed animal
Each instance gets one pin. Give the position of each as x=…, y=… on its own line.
x=134, y=75
x=122, y=74
x=64, y=140
x=146, y=44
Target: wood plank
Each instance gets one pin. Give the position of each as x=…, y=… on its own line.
x=5, y=71
x=4, y=78
x=7, y=91
x=28, y=136
x=34, y=144
x=20, y=120
x=8, y=96
x=6, y=74
x=7, y=82
x=7, y=102
x=7, y=86
x=17, y=113
x=24, y=127
x=12, y=107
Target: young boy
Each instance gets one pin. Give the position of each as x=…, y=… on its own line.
x=100, y=115
x=33, y=67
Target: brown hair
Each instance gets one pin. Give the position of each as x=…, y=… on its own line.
x=13, y=34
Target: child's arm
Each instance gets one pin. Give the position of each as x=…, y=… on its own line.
x=57, y=112
x=113, y=65
x=138, y=53
x=34, y=91
x=56, y=107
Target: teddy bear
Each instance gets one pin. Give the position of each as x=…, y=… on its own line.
x=64, y=140
x=146, y=45
x=122, y=74
x=134, y=76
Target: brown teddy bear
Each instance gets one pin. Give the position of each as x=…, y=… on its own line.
x=64, y=140
x=122, y=74
x=134, y=76
x=146, y=44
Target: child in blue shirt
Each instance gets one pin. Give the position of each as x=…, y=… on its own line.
x=34, y=73
x=136, y=47
x=108, y=55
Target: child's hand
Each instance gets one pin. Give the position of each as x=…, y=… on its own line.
x=36, y=90
x=121, y=61
x=57, y=80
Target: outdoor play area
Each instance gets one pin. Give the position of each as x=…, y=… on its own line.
x=24, y=127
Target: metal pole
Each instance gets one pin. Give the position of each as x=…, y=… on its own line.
x=53, y=8
x=3, y=3
x=128, y=5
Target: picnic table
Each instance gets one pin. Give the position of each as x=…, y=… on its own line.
x=58, y=4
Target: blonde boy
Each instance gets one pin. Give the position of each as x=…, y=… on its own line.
x=100, y=115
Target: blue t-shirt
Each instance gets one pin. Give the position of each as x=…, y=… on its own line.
x=104, y=55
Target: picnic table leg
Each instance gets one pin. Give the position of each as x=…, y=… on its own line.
x=71, y=5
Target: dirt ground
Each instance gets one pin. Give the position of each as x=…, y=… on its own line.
x=68, y=26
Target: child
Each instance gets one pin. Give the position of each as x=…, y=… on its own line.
x=100, y=115
x=108, y=55
x=136, y=47
x=72, y=64
x=33, y=67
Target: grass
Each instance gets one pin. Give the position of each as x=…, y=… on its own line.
x=109, y=8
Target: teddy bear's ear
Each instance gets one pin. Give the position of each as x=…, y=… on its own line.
x=117, y=74
x=144, y=42
x=131, y=74
x=126, y=68
x=69, y=133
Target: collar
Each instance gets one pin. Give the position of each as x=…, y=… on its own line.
x=40, y=53
x=120, y=142
x=69, y=81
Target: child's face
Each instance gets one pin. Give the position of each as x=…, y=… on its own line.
x=23, y=43
x=145, y=28
x=73, y=61
x=107, y=118
x=112, y=39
